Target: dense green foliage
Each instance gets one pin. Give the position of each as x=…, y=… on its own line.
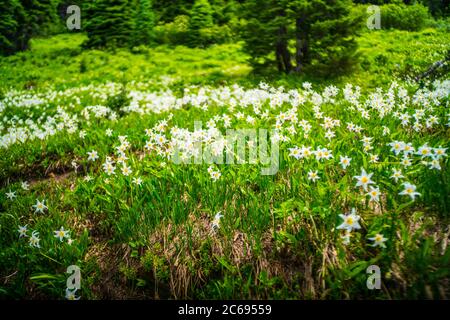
x=144, y=23
x=9, y=25
x=439, y=8
x=61, y=61
x=323, y=34
x=201, y=19
x=20, y=20
x=404, y=17
x=109, y=23
x=294, y=36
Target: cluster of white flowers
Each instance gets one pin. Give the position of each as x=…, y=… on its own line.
x=415, y=115
x=34, y=240
x=351, y=222
x=407, y=151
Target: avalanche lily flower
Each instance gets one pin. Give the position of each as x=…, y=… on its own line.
x=61, y=234
x=410, y=190
x=11, y=195
x=295, y=152
x=397, y=175
x=408, y=149
x=329, y=134
x=434, y=164
x=216, y=221
x=406, y=162
x=121, y=158
x=82, y=134
x=306, y=152
x=374, y=158
x=34, y=239
x=366, y=140
x=39, y=206
x=379, y=240
x=137, y=181
x=364, y=179
x=126, y=171
x=374, y=194
x=93, y=155
x=22, y=231
x=323, y=153
x=109, y=168
x=313, y=176
x=215, y=175
x=396, y=146
x=440, y=152
x=424, y=151
x=350, y=221
x=345, y=161
x=70, y=294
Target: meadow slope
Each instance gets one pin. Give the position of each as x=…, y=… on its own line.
x=87, y=177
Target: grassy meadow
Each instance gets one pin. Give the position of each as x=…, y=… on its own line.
x=87, y=177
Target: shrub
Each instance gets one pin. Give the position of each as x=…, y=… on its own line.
x=173, y=32
x=116, y=102
x=215, y=34
x=404, y=17
x=200, y=19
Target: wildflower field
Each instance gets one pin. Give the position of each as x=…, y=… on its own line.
x=101, y=168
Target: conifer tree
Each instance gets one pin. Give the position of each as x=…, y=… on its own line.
x=201, y=18
x=166, y=11
x=265, y=32
x=9, y=25
x=323, y=32
x=20, y=20
x=37, y=14
x=109, y=23
x=144, y=23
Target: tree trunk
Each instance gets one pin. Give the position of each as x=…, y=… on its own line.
x=23, y=38
x=282, y=53
x=301, y=54
x=279, y=59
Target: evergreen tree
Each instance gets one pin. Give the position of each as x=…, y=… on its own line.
x=265, y=33
x=144, y=23
x=223, y=10
x=9, y=25
x=201, y=18
x=20, y=20
x=37, y=14
x=323, y=32
x=166, y=11
x=438, y=8
x=109, y=23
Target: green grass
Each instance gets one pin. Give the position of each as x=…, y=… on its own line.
x=278, y=237
x=60, y=61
